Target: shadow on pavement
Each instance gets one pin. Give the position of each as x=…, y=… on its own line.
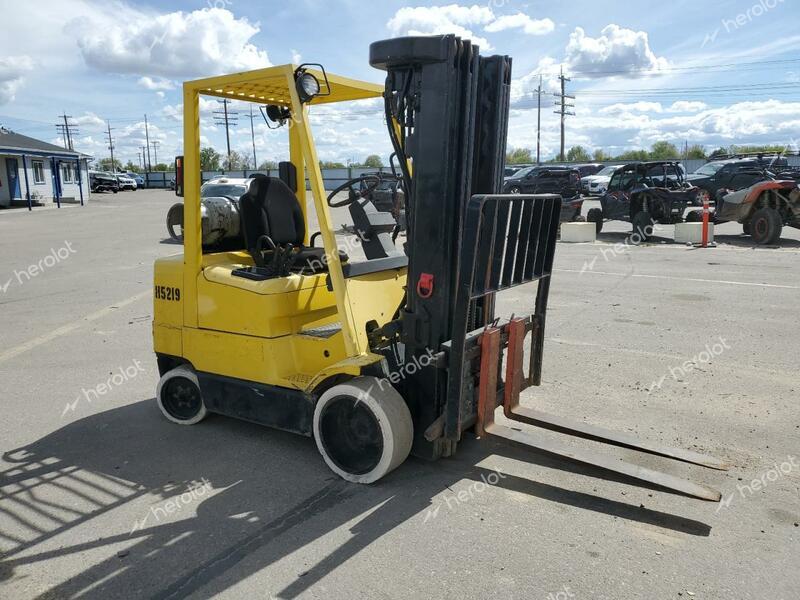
x=265, y=490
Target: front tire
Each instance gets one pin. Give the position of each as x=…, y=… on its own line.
x=766, y=226
x=363, y=429
x=179, y=397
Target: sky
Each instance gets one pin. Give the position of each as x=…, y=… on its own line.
x=713, y=73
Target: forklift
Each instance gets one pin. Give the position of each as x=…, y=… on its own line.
x=398, y=354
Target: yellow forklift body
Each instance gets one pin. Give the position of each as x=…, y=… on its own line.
x=294, y=331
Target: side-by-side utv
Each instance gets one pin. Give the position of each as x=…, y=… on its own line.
x=643, y=194
x=399, y=353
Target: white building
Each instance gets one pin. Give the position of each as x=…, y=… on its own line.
x=32, y=171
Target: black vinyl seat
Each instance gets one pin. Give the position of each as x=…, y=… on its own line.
x=274, y=230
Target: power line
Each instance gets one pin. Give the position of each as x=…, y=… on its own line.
x=563, y=106
x=111, y=147
x=67, y=130
x=230, y=119
x=147, y=140
x=252, y=135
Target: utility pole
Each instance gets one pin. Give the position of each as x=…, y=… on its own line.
x=111, y=148
x=67, y=130
x=252, y=136
x=538, y=120
x=149, y=166
x=563, y=106
x=155, y=144
x=229, y=119
x=139, y=154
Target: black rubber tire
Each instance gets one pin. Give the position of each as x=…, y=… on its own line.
x=642, y=226
x=747, y=228
x=694, y=216
x=363, y=429
x=179, y=397
x=595, y=215
x=766, y=226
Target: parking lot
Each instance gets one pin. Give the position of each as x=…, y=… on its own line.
x=101, y=497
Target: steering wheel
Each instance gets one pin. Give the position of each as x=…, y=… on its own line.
x=354, y=194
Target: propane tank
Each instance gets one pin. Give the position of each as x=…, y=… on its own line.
x=220, y=220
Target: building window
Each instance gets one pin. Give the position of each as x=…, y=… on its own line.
x=38, y=172
x=67, y=173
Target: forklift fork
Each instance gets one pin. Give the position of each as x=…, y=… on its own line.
x=522, y=247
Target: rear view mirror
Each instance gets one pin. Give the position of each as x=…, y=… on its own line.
x=179, y=176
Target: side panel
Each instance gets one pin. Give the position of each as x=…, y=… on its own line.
x=168, y=299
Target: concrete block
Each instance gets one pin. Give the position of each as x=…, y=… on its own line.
x=578, y=232
x=692, y=233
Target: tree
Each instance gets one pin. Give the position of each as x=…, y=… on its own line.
x=696, y=151
x=634, y=155
x=329, y=164
x=600, y=156
x=518, y=156
x=268, y=165
x=234, y=162
x=373, y=161
x=718, y=152
x=132, y=167
x=663, y=150
x=160, y=167
x=209, y=159
x=578, y=154
x=105, y=165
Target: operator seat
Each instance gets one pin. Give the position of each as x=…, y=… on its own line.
x=274, y=229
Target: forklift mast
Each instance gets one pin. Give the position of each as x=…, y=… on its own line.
x=447, y=111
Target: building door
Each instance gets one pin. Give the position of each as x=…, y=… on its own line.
x=12, y=167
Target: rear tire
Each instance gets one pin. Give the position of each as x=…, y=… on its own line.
x=694, y=216
x=595, y=215
x=747, y=228
x=766, y=226
x=363, y=429
x=642, y=225
x=179, y=396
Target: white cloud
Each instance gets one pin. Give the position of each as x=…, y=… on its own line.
x=438, y=20
x=12, y=72
x=297, y=58
x=632, y=107
x=687, y=106
x=521, y=21
x=616, y=50
x=159, y=83
x=173, y=45
x=89, y=119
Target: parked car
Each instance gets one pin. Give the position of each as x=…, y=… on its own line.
x=125, y=182
x=762, y=208
x=563, y=181
x=725, y=174
x=137, y=178
x=509, y=171
x=643, y=194
x=589, y=169
x=595, y=185
x=228, y=190
x=100, y=181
